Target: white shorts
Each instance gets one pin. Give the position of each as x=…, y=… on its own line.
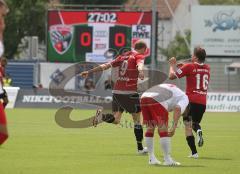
x=183, y=103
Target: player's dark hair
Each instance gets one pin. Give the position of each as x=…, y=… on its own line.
x=140, y=45
x=200, y=53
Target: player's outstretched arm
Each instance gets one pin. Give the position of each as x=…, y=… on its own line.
x=172, y=63
x=102, y=67
x=176, y=116
x=180, y=63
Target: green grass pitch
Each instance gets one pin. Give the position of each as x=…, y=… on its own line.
x=37, y=145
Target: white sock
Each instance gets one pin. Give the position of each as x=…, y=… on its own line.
x=150, y=146
x=165, y=143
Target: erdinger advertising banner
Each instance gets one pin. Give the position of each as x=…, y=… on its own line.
x=217, y=29
x=95, y=36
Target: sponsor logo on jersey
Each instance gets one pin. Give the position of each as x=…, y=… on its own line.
x=61, y=37
x=179, y=71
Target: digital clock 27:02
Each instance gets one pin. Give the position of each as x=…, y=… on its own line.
x=105, y=17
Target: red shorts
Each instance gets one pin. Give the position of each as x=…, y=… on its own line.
x=153, y=112
x=3, y=119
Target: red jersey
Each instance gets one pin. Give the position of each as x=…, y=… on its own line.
x=126, y=75
x=197, y=76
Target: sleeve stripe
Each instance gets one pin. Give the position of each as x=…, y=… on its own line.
x=176, y=75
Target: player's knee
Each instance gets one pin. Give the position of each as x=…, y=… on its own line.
x=3, y=138
x=188, y=132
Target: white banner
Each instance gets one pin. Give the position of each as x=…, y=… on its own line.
x=217, y=29
x=12, y=93
x=223, y=102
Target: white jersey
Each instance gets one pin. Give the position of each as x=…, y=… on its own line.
x=168, y=95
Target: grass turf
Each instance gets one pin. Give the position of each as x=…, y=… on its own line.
x=38, y=145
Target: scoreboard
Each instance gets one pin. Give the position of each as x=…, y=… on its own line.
x=95, y=36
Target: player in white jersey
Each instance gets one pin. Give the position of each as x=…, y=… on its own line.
x=156, y=103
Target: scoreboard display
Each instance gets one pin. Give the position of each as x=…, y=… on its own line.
x=95, y=36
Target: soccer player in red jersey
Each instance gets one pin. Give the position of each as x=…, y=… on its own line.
x=3, y=122
x=129, y=68
x=197, y=79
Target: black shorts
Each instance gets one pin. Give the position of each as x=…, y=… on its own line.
x=195, y=113
x=126, y=102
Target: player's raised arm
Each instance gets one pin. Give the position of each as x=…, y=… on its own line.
x=172, y=63
x=101, y=67
x=140, y=66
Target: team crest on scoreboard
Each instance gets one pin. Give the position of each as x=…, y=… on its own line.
x=61, y=37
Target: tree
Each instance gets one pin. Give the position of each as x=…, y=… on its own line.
x=26, y=18
x=177, y=47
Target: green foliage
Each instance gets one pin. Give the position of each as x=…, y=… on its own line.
x=26, y=18
x=177, y=47
x=219, y=2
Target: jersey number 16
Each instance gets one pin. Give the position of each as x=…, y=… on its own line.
x=204, y=80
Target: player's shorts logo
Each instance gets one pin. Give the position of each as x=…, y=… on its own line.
x=61, y=37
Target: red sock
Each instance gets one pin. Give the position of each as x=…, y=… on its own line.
x=3, y=122
x=3, y=119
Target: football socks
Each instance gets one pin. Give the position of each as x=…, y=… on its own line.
x=138, y=131
x=191, y=144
